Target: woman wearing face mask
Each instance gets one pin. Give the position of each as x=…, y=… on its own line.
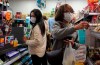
x=63, y=29
x=37, y=42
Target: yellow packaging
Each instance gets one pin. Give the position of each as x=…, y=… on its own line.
x=79, y=63
x=15, y=43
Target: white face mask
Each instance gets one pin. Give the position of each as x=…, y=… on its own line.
x=68, y=17
x=33, y=19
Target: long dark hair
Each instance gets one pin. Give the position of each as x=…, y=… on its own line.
x=60, y=12
x=39, y=20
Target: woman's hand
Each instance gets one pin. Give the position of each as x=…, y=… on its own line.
x=25, y=38
x=86, y=25
x=82, y=25
x=69, y=41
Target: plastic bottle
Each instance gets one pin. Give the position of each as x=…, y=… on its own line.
x=15, y=42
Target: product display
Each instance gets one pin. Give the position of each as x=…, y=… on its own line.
x=94, y=55
x=25, y=60
x=97, y=29
x=80, y=53
x=12, y=54
x=2, y=42
x=8, y=15
x=22, y=49
x=97, y=62
x=18, y=15
x=9, y=39
x=10, y=50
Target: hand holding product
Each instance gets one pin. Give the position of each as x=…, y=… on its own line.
x=81, y=25
x=25, y=38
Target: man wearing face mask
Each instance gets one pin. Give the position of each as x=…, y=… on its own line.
x=63, y=29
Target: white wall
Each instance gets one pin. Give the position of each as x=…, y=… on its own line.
x=77, y=4
x=26, y=6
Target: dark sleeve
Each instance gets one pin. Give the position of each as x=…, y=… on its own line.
x=76, y=46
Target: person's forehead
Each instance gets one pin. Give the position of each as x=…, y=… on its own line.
x=68, y=9
x=32, y=14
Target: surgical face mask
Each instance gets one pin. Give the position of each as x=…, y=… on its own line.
x=33, y=19
x=68, y=17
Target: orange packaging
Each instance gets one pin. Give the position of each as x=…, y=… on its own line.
x=12, y=42
x=8, y=15
x=2, y=40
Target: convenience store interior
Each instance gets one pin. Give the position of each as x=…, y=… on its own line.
x=14, y=16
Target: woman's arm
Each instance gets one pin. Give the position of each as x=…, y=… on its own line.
x=60, y=33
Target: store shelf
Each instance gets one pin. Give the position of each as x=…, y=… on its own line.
x=95, y=34
x=22, y=49
x=19, y=19
x=16, y=58
x=7, y=48
x=94, y=13
x=3, y=51
x=12, y=53
x=94, y=24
